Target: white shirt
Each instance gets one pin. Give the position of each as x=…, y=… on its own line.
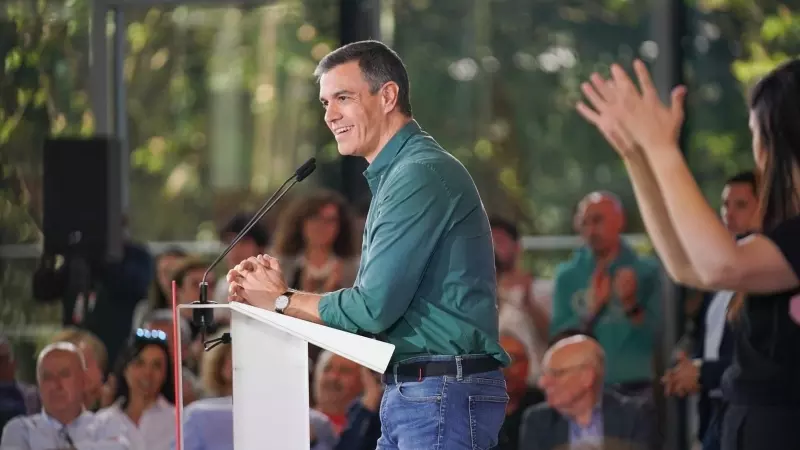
x=716, y=316
x=42, y=432
x=156, y=429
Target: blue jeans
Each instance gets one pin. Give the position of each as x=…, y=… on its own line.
x=443, y=413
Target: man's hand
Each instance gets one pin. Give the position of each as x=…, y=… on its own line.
x=600, y=290
x=257, y=281
x=683, y=379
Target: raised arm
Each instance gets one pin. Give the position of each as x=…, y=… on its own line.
x=648, y=196
x=759, y=264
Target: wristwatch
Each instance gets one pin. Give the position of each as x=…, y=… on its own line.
x=282, y=302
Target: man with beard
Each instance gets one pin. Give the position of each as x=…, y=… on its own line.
x=518, y=308
x=609, y=291
x=337, y=383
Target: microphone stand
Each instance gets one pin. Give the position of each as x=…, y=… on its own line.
x=204, y=317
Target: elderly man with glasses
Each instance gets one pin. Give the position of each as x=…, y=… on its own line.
x=578, y=412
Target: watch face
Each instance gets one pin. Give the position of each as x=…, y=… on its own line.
x=281, y=302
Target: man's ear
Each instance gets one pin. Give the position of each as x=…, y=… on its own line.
x=389, y=93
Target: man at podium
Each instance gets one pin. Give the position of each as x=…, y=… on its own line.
x=426, y=281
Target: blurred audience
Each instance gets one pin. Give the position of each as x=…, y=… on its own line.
x=337, y=383
x=607, y=290
x=520, y=394
x=579, y=412
x=16, y=398
x=96, y=358
x=161, y=320
x=253, y=243
x=63, y=421
x=315, y=244
x=97, y=295
x=160, y=295
x=145, y=392
x=518, y=307
x=699, y=367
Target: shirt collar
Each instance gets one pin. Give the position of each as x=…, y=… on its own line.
x=54, y=422
x=390, y=151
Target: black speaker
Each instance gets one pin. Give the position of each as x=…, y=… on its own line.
x=82, y=198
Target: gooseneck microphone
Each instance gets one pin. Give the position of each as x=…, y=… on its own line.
x=203, y=318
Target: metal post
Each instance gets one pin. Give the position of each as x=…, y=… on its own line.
x=98, y=69
x=668, y=30
x=121, y=106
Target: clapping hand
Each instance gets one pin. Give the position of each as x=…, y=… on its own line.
x=257, y=281
x=628, y=119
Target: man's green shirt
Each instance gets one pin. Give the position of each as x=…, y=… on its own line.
x=426, y=282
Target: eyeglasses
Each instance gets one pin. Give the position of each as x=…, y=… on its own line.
x=144, y=333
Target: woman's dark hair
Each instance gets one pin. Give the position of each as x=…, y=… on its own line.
x=775, y=103
x=140, y=340
x=289, y=239
x=157, y=298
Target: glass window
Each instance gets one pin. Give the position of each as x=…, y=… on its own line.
x=43, y=92
x=222, y=107
x=733, y=46
x=495, y=82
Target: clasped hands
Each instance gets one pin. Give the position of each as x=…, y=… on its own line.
x=683, y=379
x=257, y=281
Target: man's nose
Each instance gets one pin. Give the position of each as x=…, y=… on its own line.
x=332, y=114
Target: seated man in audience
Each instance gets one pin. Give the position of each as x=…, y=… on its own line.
x=363, y=423
x=578, y=412
x=63, y=422
x=520, y=394
x=607, y=290
x=96, y=358
x=337, y=384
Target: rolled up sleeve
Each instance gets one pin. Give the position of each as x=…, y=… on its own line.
x=412, y=216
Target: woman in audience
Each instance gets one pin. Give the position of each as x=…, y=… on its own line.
x=315, y=244
x=762, y=387
x=160, y=295
x=145, y=393
x=208, y=423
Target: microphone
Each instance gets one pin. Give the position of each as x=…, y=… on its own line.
x=203, y=318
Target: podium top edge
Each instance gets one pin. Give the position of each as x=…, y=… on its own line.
x=204, y=305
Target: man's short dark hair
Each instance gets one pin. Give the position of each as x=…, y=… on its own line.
x=504, y=225
x=379, y=65
x=748, y=177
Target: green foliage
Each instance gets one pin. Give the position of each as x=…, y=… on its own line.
x=221, y=103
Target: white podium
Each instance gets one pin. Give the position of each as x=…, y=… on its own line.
x=271, y=374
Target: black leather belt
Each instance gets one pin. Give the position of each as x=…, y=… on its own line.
x=416, y=371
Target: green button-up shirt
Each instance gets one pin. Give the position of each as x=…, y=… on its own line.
x=426, y=282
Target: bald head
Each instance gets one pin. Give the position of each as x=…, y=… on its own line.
x=600, y=219
x=577, y=350
x=573, y=373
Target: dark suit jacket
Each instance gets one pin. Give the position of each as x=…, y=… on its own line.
x=627, y=425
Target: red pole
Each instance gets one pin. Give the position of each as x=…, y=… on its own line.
x=176, y=367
